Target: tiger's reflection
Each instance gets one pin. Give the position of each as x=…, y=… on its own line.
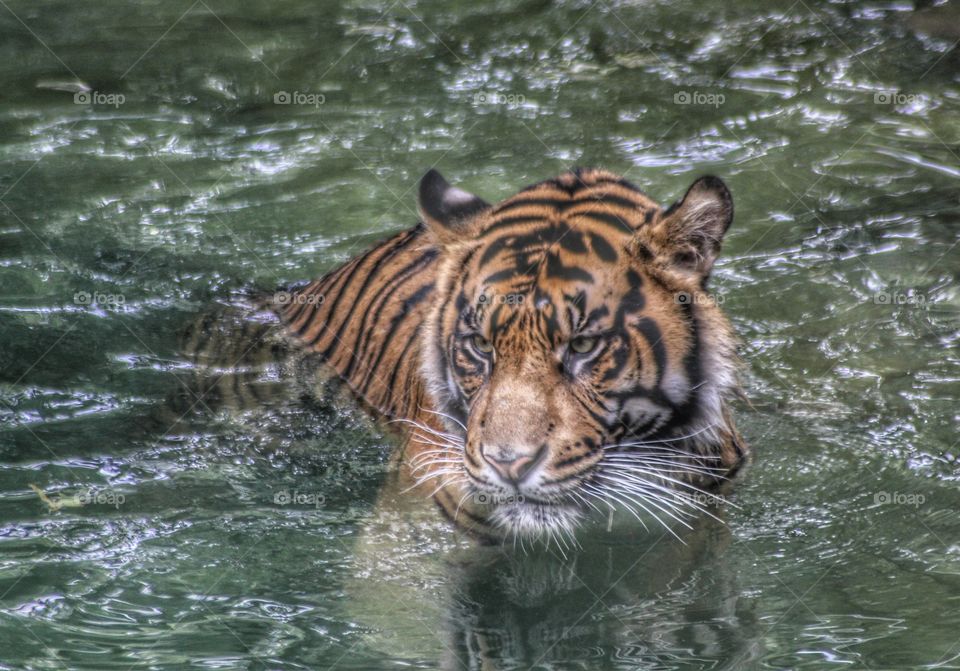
x=425, y=595
x=623, y=598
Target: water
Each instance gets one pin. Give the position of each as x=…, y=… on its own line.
x=835, y=126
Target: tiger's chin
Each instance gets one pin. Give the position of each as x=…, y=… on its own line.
x=533, y=519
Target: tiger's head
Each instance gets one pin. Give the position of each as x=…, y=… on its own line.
x=573, y=351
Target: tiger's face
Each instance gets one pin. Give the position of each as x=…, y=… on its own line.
x=573, y=350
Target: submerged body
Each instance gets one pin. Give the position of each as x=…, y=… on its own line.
x=546, y=356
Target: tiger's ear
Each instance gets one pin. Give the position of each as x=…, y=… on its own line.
x=686, y=237
x=446, y=210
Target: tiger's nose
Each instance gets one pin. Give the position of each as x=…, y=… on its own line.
x=509, y=465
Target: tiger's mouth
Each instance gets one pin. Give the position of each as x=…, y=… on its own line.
x=655, y=481
x=524, y=516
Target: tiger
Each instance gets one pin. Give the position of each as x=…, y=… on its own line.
x=547, y=359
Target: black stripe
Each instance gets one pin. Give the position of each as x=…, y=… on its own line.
x=620, y=358
x=403, y=357
x=686, y=412
x=523, y=245
x=545, y=305
x=557, y=203
x=595, y=315
x=418, y=297
x=555, y=268
x=572, y=241
x=643, y=429
x=610, y=199
x=571, y=461
x=655, y=395
x=327, y=284
x=562, y=204
x=206, y=333
x=297, y=310
x=509, y=221
x=501, y=275
x=479, y=521
x=602, y=248
x=631, y=302
x=388, y=254
x=389, y=287
x=607, y=424
x=611, y=220
x=440, y=351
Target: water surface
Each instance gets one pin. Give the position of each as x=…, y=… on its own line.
x=181, y=177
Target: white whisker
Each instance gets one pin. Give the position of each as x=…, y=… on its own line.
x=450, y=463
x=634, y=478
x=435, y=454
x=656, y=517
x=428, y=441
x=427, y=429
x=659, y=474
x=462, y=499
x=447, y=455
x=609, y=496
x=662, y=440
x=672, y=466
x=444, y=415
x=655, y=451
x=646, y=488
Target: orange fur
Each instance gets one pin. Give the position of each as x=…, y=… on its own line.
x=586, y=257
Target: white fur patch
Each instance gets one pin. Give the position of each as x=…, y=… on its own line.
x=533, y=520
x=637, y=409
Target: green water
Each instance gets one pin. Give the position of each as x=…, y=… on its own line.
x=182, y=183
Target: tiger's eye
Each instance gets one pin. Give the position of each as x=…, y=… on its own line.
x=583, y=344
x=482, y=344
